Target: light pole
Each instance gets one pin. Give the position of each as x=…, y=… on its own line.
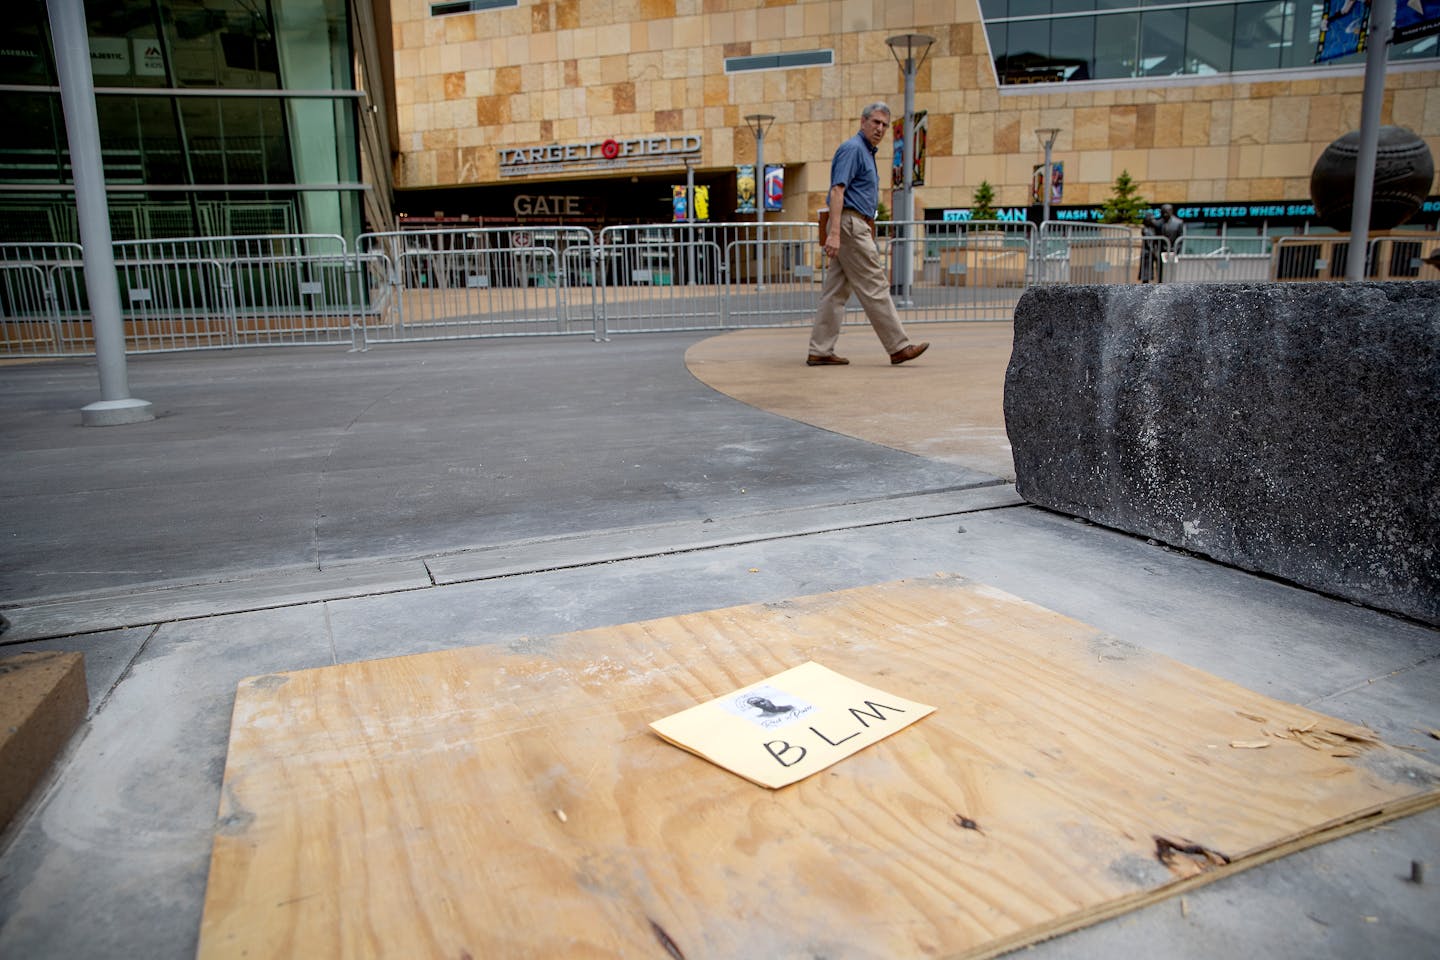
x=1382, y=23
x=759, y=125
x=1047, y=137
x=914, y=45
x=82, y=129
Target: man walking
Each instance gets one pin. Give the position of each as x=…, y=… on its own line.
x=855, y=264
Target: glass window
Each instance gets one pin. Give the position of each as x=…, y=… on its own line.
x=1301, y=34
x=998, y=33
x=139, y=142
x=34, y=144
x=222, y=43
x=1030, y=39
x=1162, y=43
x=1029, y=8
x=1072, y=47
x=236, y=140
x=1259, y=34
x=993, y=9
x=1072, y=6
x=1416, y=49
x=25, y=53
x=1116, y=36
x=1207, y=40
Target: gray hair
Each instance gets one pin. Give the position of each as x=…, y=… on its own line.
x=879, y=106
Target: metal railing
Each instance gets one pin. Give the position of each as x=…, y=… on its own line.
x=1396, y=255
x=220, y=292
x=44, y=310
x=1219, y=260
x=505, y=281
x=193, y=294
x=958, y=270
x=1088, y=253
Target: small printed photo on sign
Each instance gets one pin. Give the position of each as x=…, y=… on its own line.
x=768, y=707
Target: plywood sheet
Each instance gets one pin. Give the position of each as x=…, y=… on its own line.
x=510, y=801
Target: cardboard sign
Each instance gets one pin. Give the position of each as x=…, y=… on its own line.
x=788, y=726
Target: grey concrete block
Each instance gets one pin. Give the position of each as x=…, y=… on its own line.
x=1289, y=429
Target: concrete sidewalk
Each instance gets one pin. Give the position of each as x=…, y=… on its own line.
x=297, y=508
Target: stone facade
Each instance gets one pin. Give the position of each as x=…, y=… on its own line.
x=572, y=70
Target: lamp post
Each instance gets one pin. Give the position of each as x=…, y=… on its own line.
x=759, y=124
x=82, y=130
x=1372, y=99
x=1047, y=137
x=916, y=47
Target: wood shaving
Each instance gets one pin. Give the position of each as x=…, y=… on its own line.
x=1249, y=744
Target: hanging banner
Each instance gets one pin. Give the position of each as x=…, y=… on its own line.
x=745, y=188
x=1057, y=182
x=1415, y=19
x=679, y=208
x=1344, y=28
x=702, y=203
x=774, y=186
x=922, y=127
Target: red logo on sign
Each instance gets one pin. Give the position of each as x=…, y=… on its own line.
x=610, y=149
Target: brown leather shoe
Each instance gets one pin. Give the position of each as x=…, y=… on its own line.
x=909, y=353
x=815, y=360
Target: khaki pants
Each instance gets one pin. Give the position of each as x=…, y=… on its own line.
x=857, y=269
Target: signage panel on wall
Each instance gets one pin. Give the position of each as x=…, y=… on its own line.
x=922, y=126
x=608, y=154
x=680, y=207
x=1344, y=27
x=109, y=56
x=1415, y=19
x=745, y=188
x=147, y=58
x=1057, y=182
x=774, y=186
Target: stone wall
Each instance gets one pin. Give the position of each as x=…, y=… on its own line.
x=1289, y=429
x=569, y=71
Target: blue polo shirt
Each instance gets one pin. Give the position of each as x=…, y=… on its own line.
x=853, y=167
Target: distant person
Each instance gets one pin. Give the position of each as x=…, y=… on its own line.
x=1172, y=228
x=855, y=264
x=1149, y=249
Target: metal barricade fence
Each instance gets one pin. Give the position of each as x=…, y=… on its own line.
x=44, y=311
x=772, y=273
x=198, y=293
x=1228, y=259
x=957, y=270
x=485, y=282
x=1088, y=253
x=691, y=276
x=195, y=293
x=1400, y=256
x=1394, y=255
x=1310, y=257
x=191, y=293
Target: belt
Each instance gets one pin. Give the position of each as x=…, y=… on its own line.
x=870, y=221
